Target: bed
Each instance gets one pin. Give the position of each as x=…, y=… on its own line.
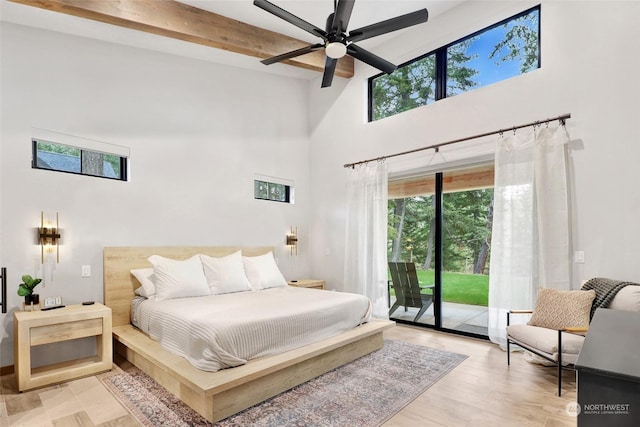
x=217, y=395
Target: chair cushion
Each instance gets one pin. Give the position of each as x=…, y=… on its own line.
x=557, y=309
x=546, y=340
x=627, y=298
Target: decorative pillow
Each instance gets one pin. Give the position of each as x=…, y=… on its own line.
x=178, y=279
x=627, y=299
x=146, y=278
x=263, y=272
x=557, y=309
x=225, y=274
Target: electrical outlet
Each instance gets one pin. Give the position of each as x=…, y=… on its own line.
x=579, y=257
x=86, y=271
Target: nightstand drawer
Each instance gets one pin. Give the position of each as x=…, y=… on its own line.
x=65, y=331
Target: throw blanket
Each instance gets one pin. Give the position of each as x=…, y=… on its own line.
x=606, y=290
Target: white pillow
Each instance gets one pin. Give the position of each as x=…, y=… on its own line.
x=225, y=274
x=178, y=279
x=146, y=278
x=141, y=292
x=263, y=272
x=627, y=299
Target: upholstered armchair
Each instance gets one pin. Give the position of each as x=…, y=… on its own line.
x=560, y=320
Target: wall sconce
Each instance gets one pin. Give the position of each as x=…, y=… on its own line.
x=292, y=240
x=49, y=236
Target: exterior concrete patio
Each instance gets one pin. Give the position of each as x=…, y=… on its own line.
x=459, y=317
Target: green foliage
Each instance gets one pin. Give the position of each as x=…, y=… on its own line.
x=465, y=227
x=114, y=161
x=414, y=84
x=406, y=88
x=519, y=43
x=28, y=284
x=58, y=148
x=466, y=214
x=459, y=76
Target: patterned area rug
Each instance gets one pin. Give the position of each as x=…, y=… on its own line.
x=365, y=392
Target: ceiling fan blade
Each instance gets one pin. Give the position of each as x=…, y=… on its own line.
x=329, y=70
x=292, y=54
x=393, y=24
x=342, y=16
x=371, y=59
x=291, y=18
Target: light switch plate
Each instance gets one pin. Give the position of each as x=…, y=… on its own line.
x=86, y=271
x=52, y=301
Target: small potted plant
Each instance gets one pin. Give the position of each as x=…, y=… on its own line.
x=25, y=289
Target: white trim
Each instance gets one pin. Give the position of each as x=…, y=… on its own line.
x=79, y=142
x=273, y=179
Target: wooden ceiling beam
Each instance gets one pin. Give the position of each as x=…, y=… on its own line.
x=183, y=22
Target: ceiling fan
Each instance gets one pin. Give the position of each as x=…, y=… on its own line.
x=336, y=41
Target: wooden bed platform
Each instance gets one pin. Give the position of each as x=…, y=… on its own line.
x=217, y=395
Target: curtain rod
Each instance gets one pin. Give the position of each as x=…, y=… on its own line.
x=436, y=147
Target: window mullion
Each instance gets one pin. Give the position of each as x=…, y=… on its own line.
x=441, y=73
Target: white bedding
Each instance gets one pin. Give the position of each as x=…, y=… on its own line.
x=221, y=331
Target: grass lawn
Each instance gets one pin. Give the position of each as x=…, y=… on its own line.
x=472, y=289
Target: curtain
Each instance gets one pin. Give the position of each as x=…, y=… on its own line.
x=365, y=257
x=530, y=238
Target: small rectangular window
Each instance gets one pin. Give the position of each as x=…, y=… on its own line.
x=274, y=189
x=65, y=158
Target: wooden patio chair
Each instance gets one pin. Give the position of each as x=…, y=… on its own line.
x=404, y=280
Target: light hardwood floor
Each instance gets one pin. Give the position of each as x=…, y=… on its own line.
x=481, y=391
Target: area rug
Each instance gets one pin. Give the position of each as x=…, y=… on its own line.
x=365, y=392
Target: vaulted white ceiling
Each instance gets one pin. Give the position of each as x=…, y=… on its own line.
x=314, y=11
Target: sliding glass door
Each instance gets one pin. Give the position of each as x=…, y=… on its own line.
x=441, y=225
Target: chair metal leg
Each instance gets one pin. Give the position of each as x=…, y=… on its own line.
x=508, y=344
x=559, y=363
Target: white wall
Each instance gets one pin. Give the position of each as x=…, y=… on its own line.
x=198, y=132
x=589, y=69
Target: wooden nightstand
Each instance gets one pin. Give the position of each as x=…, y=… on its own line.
x=31, y=328
x=308, y=283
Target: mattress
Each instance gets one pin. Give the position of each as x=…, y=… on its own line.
x=222, y=331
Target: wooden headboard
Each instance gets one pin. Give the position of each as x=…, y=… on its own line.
x=119, y=284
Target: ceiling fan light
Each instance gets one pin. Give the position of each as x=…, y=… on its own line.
x=335, y=50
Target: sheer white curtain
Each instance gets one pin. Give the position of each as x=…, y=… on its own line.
x=365, y=269
x=530, y=238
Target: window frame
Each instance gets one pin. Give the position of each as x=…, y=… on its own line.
x=441, y=61
x=123, y=176
x=288, y=190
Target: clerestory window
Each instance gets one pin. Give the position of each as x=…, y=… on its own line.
x=506, y=49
